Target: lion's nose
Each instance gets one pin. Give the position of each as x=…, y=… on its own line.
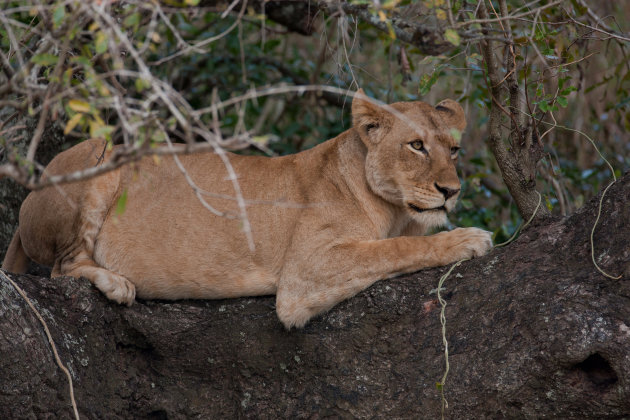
x=446, y=192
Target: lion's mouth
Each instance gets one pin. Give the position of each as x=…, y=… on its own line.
x=419, y=210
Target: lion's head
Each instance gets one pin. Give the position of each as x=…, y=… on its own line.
x=412, y=150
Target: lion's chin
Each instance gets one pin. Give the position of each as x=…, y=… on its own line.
x=423, y=210
x=429, y=218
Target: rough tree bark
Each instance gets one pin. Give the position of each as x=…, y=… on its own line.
x=301, y=16
x=534, y=331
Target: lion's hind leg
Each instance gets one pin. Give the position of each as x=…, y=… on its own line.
x=114, y=286
x=77, y=260
x=15, y=260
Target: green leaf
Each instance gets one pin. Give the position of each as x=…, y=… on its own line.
x=100, y=130
x=142, y=84
x=427, y=81
x=132, y=20
x=58, y=14
x=100, y=43
x=271, y=44
x=121, y=205
x=562, y=101
x=45, y=59
x=67, y=77
x=81, y=60
x=544, y=106
x=452, y=36
x=457, y=135
x=262, y=140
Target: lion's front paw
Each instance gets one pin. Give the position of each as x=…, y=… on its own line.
x=464, y=243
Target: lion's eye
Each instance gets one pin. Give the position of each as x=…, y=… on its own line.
x=371, y=127
x=454, y=151
x=418, y=145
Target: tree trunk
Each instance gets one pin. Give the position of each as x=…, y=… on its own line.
x=534, y=331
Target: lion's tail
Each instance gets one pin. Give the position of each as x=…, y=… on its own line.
x=16, y=260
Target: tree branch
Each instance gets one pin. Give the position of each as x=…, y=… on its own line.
x=517, y=165
x=428, y=39
x=380, y=350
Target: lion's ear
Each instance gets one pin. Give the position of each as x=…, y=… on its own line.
x=369, y=119
x=452, y=114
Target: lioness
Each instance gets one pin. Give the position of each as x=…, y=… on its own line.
x=355, y=209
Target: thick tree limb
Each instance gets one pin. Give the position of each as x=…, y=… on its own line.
x=429, y=39
x=300, y=16
x=296, y=15
x=534, y=331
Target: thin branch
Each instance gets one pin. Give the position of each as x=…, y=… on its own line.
x=609, y=34
x=43, y=118
x=199, y=192
x=507, y=17
x=197, y=47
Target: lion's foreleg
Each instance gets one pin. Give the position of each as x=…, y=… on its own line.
x=347, y=269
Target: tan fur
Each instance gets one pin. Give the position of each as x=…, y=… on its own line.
x=15, y=259
x=327, y=223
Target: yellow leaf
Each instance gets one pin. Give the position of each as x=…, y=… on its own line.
x=261, y=139
x=100, y=130
x=441, y=14
x=383, y=17
x=102, y=89
x=156, y=37
x=390, y=28
x=157, y=159
x=72, y=123
x=78, y=105
x=452, y=36
x=95, y=127
x=390, y=4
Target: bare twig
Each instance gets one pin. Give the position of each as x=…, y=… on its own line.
x=198, y=46
x=508, y=17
